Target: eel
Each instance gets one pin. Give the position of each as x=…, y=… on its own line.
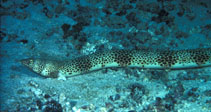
x=145, y=59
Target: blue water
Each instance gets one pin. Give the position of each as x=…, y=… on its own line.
x=65, y=29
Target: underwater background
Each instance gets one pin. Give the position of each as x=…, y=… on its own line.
x=65, y=29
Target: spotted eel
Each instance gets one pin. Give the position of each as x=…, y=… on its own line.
x=157, y=59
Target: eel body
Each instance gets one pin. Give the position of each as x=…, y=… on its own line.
x=158, y=59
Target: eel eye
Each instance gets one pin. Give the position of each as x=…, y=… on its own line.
x=31, y=61
x=27, y=62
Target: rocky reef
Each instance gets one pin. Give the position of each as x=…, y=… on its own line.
x=64, y=29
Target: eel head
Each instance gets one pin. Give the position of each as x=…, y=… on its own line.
x=46, y=68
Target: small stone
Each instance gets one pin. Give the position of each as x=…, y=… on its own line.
x=117, y=97
x=53, y=106
x=32, y=109
x=65, y=27
x=158, y=101
x=33, y=84
x=22, y=6
x=190, y=16
x=12, y=37
x=85, y=107
x=13, y=76
x=111, y=110
x=106, y=11
x=37, y=92
x=88, y=107
x=136, y=92
x=112, y=98
x=48, y=13
x=133, y=1
x=21, y=15
x=21, y=91
x=131, y=111
x=121, y=13
x=207, y=93
x=39, y=104
x=2, y=35
x=23, y=41
x=103, y=109
x=109, y=105
x=73, y=103
x=46, y=96
x=75, y=109
x=62, y=98
x=163, y=13
x=59, y=9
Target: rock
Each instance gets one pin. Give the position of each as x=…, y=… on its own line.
x=53, y=106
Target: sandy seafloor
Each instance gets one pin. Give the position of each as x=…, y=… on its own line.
x=65, y=29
